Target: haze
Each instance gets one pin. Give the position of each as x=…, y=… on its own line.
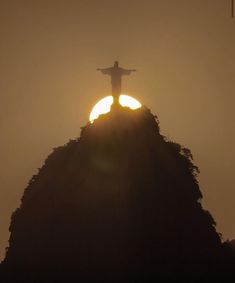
x=183, y=51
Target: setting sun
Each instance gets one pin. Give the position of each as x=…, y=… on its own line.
x=104, y=105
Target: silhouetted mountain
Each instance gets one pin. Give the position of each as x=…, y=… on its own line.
x=119, y=204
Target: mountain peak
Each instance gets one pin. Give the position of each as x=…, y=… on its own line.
x=118, y=204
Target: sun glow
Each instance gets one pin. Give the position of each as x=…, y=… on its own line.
x=104, y=105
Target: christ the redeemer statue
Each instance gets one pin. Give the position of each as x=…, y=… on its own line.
x=116, y=74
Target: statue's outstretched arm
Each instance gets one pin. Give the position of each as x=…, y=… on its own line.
x=105, y=71
x=127, y=72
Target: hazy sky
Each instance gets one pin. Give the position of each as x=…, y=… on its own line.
x=184, y=51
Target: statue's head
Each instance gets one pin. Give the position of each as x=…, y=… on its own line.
x=116, y=64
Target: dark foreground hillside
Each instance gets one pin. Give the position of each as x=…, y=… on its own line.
x=119, y=204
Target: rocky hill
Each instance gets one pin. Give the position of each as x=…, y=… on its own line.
x=119, y=204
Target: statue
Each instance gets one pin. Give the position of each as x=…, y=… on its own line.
x=116, y=74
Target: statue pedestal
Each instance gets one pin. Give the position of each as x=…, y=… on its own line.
x=116, y=106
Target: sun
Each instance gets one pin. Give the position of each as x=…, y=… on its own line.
x=104, y=105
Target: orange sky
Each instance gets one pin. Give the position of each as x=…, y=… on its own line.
x=184, y=53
